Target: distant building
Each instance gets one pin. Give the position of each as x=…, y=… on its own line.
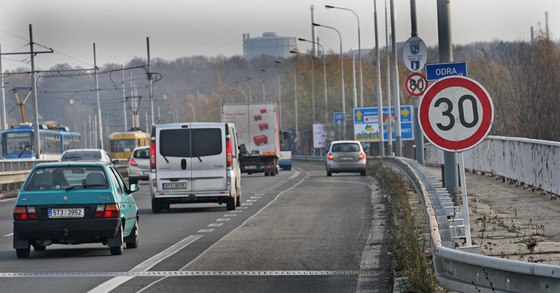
x=269, y=44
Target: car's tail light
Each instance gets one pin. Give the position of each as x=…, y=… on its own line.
x=107, y=211
x=362, y=155
x=153, y=154
x=330, y=157
x=132, y=162
x=229, y=155
x=25, y=213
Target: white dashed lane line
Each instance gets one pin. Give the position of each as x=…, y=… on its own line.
x=9, y=235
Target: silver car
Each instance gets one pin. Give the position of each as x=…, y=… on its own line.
x=85, y=155
x=139, y=164
x=346, y=156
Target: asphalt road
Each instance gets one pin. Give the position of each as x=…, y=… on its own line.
x=300, y=231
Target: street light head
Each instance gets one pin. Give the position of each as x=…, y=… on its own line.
x=315, y=24
x=294, y=52
x=329, y=6
x=278, y=61
x=263, y=70
x=302, y=40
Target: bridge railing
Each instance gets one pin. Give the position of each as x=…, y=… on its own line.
x=529, y=162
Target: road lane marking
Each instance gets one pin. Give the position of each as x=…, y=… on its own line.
x=205, y=230
x=230, y=215
x=9, y=235
x=146, y=265
x=187, y=274
x=247, y=204
x=215, y=225
x=223, y=219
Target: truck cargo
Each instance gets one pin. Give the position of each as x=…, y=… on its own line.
x=258, y=135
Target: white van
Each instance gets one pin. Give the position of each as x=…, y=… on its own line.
x=194, y=162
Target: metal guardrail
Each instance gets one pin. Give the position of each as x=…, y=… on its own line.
x=463, y=269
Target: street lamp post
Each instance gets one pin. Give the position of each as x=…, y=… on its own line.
x=263, y=89
x=295, y=100
x=324, y=76
x=341, y=76
x=312, y=84
x=359, y=50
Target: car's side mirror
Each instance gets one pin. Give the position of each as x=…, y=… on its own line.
x=242, y=150
x=134, y=187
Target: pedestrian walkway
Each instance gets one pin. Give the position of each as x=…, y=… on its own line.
x=512, y=221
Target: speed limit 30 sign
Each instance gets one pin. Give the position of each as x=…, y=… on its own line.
x=456, y=113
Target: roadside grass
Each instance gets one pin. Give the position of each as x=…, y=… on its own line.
x=409, y=247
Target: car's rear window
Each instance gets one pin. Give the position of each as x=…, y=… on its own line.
x=66, y=177
x=187, y=143
x=81, y=155
x=142, y=154
x=346, y=147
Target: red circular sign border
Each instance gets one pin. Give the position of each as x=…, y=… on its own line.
x=422, y=76
x=487, y=116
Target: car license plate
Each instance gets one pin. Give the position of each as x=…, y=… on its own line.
x=346, y=158
x=66, y=213
x=174, y=185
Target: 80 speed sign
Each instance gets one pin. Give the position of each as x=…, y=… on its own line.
x=456, y=113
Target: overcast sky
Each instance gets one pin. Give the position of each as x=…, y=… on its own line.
x=214, y=27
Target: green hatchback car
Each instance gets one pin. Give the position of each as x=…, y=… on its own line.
x=74, y=203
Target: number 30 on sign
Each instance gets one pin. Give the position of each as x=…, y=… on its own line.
x=456, y=113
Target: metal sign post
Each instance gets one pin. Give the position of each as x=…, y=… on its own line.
x=456, y=114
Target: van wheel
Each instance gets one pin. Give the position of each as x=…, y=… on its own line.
x=238, y=201
x=363, y=173
x=23, y=252
x=39, y=247
x=156, y=206
x=231, y=203
x=329, y=173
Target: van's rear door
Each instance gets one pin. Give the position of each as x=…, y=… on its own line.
x=191, y=157
x=173, y=145
x=208, y=157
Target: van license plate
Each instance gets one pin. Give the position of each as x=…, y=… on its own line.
x=66, y=213
x=174, y=185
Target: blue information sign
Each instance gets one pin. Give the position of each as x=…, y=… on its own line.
x=366, y=123
x=338, y=118
x=441, y=70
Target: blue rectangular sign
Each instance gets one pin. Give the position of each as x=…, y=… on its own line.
x=366, y=123
x=441, y=70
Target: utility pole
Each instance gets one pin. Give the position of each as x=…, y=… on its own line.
x=446, y=55
x=32, y=53
x=396, y=88
x=313, y=49
x=378, y=81
x=124, y=99
x=100, y=120
x=150, y=83
x=418, y=135
x=4, y=119
x=388, y=78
